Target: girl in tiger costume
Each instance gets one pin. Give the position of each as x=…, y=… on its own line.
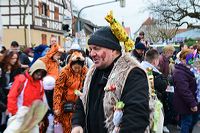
x=70, y=79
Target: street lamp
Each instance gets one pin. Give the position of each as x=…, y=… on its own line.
x=122, y=4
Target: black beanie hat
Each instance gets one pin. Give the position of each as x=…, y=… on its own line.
x=140, y=45
x=105, y=38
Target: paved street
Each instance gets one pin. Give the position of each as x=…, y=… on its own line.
x=173, y=129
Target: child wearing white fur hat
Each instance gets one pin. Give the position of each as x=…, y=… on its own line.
x=49, y=82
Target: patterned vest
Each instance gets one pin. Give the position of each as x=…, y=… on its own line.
x=117, y=77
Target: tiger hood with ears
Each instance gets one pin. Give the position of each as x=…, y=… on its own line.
x=54, y=49
x=77, y=57
x=52, y=66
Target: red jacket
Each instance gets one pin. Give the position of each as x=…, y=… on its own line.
x=23, y=92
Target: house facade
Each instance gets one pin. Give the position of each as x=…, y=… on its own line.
x=158, y=33
x=33, y=22
x=150, y=30
x=188, y=34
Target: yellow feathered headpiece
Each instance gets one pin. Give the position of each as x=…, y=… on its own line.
x=119, y=31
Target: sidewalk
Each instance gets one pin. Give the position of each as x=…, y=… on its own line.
x=196, y=129
x=173, y=129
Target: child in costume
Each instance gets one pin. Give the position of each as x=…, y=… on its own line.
x=27, y=88
x=70, y=79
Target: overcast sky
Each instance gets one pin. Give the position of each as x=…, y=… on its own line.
x=133, y=14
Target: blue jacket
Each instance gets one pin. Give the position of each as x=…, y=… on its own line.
x=39, y=52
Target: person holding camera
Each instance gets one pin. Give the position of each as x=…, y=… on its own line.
x=69, y=80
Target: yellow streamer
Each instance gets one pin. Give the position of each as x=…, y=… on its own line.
x=119, y=31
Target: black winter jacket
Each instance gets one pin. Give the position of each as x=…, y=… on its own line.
x=160, y=84
x=135, y=96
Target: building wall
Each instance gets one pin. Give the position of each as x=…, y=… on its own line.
x=13, y=12
x=36, y=36
x=42, y=25
x=50, y=18
x=12, y=35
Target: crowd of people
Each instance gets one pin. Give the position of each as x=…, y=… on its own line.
x=175, y=82
x=105, y=91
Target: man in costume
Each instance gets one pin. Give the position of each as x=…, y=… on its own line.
x=114, y=77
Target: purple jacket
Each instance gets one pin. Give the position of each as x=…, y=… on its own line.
x=185, y=87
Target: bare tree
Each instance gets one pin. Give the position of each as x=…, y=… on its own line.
x=177, y=12
x=159, y=31
x=166, y=31
x=151, y=31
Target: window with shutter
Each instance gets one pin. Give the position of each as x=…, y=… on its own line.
x=48, y=11
x=59, y=40
x=40, y=8
x=56, y=13
x=44, y=39
x=44, y=9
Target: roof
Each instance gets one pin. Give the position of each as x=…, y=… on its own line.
x=148, y=21
x=181, y=30
x=86, y=21
x=193, y=34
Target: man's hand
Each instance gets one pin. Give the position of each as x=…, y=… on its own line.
x=194, y=109
x=77, y=129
